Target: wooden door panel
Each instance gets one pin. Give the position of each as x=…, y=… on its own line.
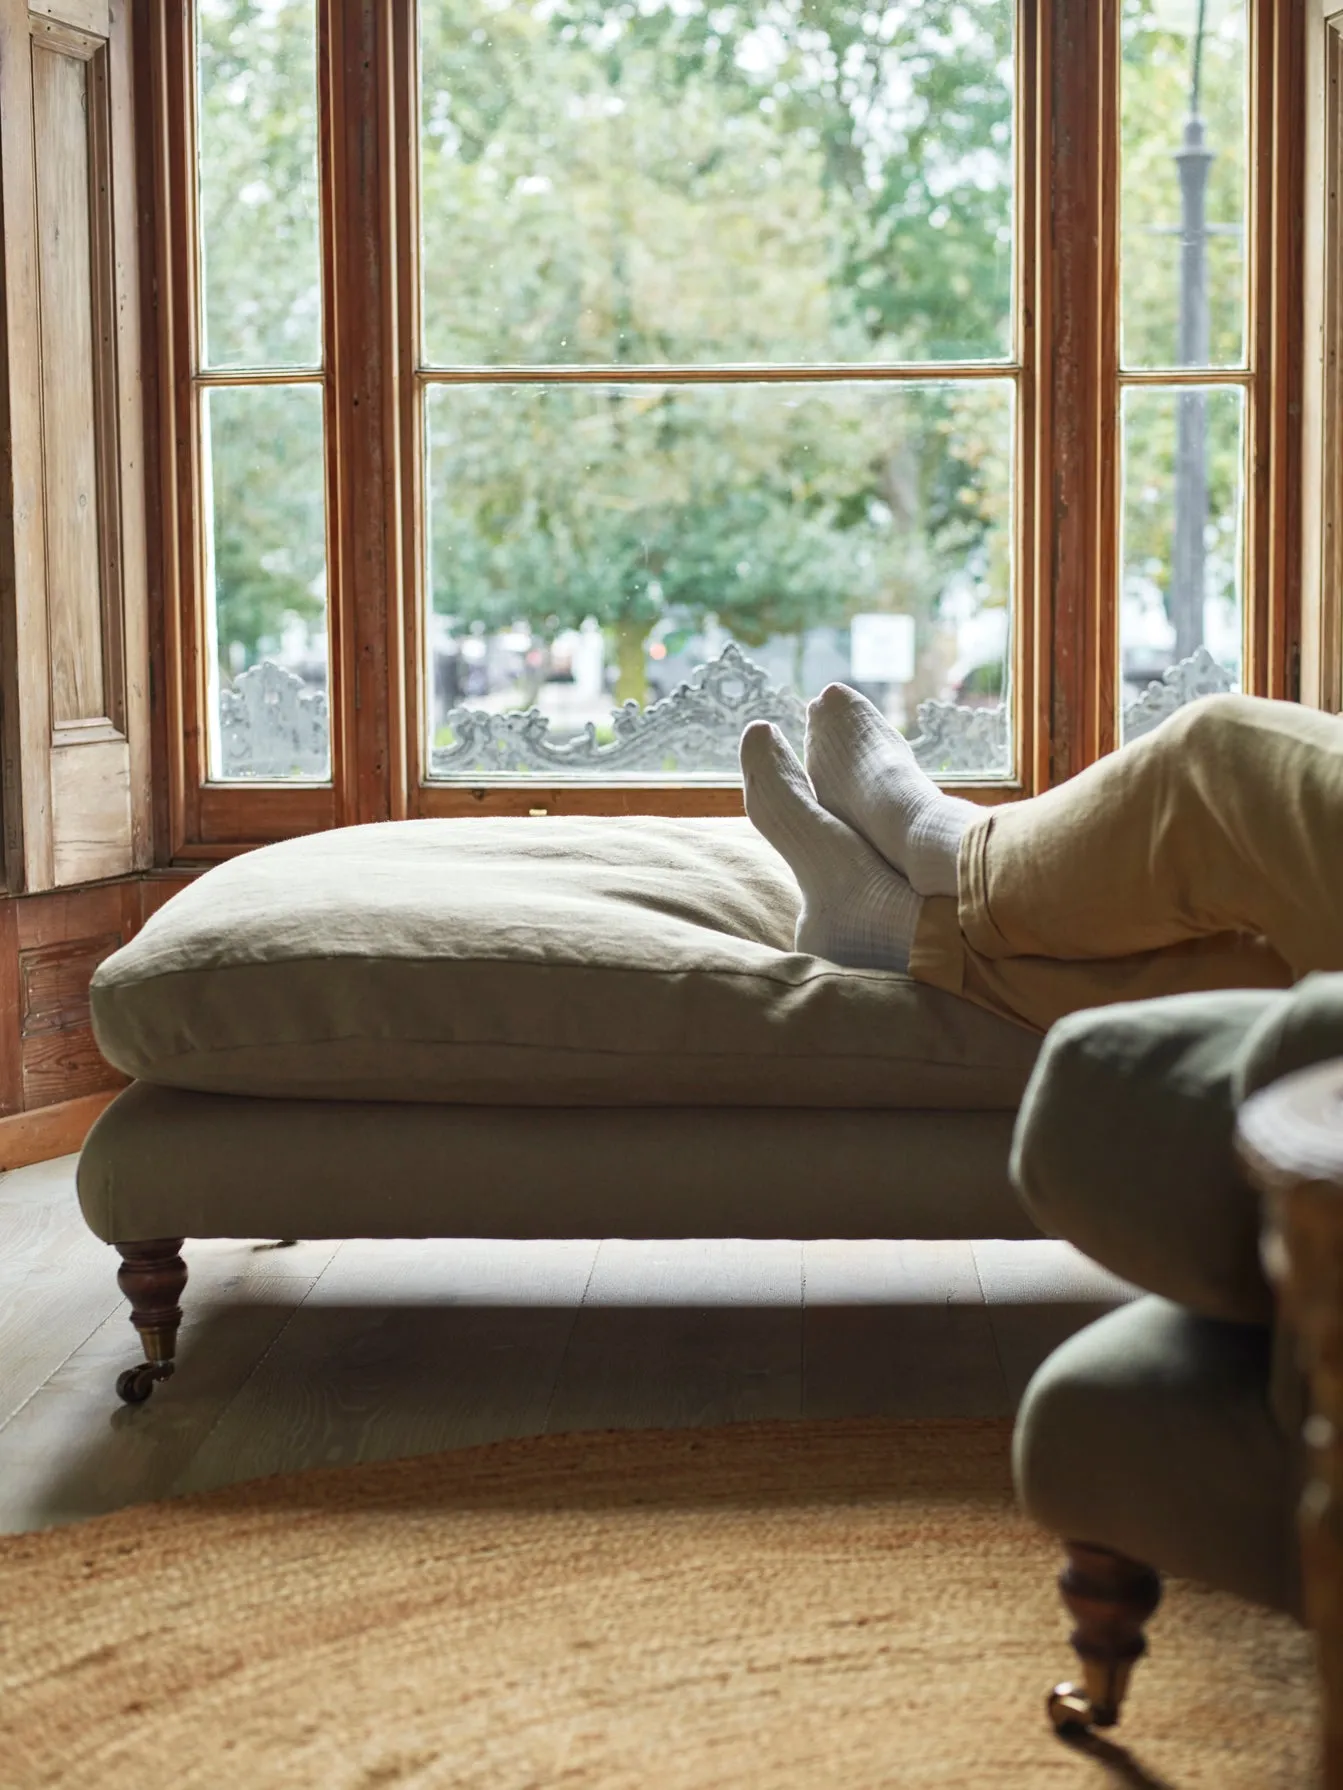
x=81, y=15
x=90, y=810
x=72, y=563
x=62, y=112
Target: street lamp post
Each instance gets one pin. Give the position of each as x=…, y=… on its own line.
x=1193, y=159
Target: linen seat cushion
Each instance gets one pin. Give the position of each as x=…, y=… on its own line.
x=543, y=961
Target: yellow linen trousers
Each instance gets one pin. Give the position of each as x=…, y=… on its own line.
x=1208, y=854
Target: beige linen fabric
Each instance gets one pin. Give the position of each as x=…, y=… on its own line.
x=554, y=962
x=165, y=1162
x=1207, y=855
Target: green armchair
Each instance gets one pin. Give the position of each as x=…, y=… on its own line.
x=1166, y=1438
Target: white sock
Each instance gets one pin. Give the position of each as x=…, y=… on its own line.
x=855, y=909
x=866, y=775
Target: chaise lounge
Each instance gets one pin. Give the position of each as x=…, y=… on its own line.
x=526, y=1028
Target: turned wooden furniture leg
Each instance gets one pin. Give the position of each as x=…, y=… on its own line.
x=1110, y=1599
x=152, y=1276
x=1290, y=1140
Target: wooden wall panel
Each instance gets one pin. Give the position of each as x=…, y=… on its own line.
x=57, y=918
x=81, y=15
x=69, y=405
x=11, y=1008
x=90, y=810
x=50, y=946
x=23, y=621
x=54, y=982
x=61, y=941
x=73, y=623
x=64, y=1065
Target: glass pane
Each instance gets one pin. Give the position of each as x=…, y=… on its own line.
x=621, y=577
x=1183, y=160
x=266, y=581
x=782, y=181
x=256, y=67
x=1183, y=548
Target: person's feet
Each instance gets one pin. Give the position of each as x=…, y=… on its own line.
x=856, y=910
x=865, y=774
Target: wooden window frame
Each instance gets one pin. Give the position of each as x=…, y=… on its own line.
x=1066, y=515
x=1322, y=413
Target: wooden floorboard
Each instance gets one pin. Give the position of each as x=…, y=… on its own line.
x=405, y=1348
x=898, y=1329
x=329, y=1353
x=57, y=1281
x=42, y=1221
x=685, y=1333
x=74, y=1450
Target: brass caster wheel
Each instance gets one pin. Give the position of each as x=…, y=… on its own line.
x=136, y=1383
x=1070, y=1712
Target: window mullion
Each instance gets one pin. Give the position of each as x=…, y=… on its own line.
x=220, y=816
x=1277, y=156
x=366, y=253
x=1078, y=353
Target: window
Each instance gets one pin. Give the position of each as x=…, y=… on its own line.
x=1184, y=132
x=547, y=387
x=757, y=271
x=259, y=390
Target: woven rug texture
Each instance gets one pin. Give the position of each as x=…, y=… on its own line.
x=806, y=1604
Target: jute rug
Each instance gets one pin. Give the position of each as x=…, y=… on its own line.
x=767, y=1605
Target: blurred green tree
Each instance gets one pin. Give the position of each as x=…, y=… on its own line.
x=770, y=181
x=1157, y=81
x=743, y=184
x=261, y=305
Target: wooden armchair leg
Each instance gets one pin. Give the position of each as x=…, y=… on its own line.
x=152, y=1276
x=1110, y=1598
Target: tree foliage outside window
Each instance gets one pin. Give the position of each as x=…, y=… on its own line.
x=262, y=308
x=1157, y=82
x=772, y=183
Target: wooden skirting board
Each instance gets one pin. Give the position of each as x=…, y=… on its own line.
x=49, y=1131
